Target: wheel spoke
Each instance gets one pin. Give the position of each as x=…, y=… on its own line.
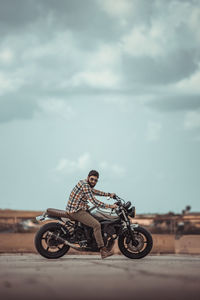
x=139, y=247
x=47, y=248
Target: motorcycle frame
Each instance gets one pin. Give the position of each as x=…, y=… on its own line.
x=124, y=226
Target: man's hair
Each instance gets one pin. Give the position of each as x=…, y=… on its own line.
x=93, y=173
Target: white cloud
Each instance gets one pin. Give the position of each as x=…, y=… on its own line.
x=6, y=56
x=145, y=41
x=9, y=83
x=112, y=168
x=106, y=55
x=103, y=78
x=116, y=8
x=84, y=163
x=61, y=46
x=55, y=108
x=5, y=83
x=191, y=84
x=170, y=30
x=100, y=69
x=66, y=165
x=50, y=63
x=192, y=120
x=194, y=21
x=153, y=131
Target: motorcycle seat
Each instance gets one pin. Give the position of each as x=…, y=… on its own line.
x=52, y=212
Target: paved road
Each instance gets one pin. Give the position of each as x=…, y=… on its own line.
x=30, y=276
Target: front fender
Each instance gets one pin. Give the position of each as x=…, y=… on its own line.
x=124, y=230
x=133, y=226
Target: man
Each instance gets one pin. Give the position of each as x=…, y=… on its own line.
x=77, y=207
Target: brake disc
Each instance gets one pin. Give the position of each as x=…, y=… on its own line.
x=140, y=240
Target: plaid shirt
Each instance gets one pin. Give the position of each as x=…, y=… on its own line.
x=81, y=194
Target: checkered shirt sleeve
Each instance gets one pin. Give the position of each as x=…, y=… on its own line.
x=100, y=193
x=88, y=192
x=81, y=194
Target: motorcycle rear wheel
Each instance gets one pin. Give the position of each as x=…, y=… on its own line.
x=144, y=240
x=46, y=245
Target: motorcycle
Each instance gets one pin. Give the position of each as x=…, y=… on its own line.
x=54, y=239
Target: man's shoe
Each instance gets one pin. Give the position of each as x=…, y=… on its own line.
x=105, y=252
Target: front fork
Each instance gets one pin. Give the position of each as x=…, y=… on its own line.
x=130, y=228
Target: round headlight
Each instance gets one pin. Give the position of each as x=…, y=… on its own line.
x=127, y=205
x=131, y=212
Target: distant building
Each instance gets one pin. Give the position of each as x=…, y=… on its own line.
x=187, y=223
x=178, y=224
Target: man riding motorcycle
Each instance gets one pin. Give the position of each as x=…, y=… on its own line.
x=78, y=204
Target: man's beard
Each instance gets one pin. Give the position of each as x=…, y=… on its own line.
x=91, y=184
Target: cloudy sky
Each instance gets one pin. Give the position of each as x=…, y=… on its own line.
x=112, y=85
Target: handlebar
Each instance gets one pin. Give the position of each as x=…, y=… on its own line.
x=118, y=202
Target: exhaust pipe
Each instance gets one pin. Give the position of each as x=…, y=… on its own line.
x=58, y=238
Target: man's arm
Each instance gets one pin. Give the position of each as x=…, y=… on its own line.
x=89, y=194
x=100, y=193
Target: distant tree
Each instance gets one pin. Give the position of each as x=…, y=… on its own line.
x=170, y=213
x=188, y=208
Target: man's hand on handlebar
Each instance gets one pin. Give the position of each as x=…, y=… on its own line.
x=114, y=206
x=113, y=195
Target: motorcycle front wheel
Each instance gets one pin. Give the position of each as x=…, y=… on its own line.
x=47, y=245
x=142, y=245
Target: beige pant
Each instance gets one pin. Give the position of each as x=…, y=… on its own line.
x=85, y=218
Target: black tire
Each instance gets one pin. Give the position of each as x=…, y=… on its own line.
x=136, y=254
x=40, y=241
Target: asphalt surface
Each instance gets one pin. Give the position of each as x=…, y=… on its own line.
x=30, y=276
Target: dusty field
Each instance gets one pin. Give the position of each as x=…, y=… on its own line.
x=24, y=242
x=30, y=276
x=10, y=213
